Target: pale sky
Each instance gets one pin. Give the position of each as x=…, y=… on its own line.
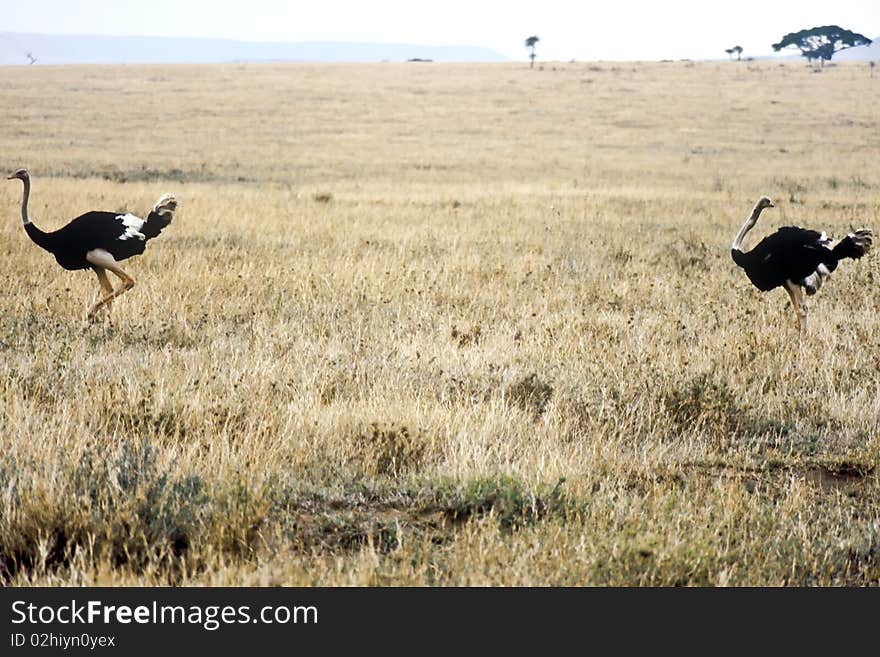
x=581, y=30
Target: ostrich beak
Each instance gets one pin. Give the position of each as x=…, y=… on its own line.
x=10, y=177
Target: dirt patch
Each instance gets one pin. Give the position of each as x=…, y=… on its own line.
x=851, y=478
x=846, y=478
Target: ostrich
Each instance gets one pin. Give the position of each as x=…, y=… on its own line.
x=99, y=240
x=795, y=258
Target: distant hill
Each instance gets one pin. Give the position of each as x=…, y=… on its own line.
x=70, y=49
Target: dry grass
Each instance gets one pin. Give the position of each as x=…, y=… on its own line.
x=440, y=325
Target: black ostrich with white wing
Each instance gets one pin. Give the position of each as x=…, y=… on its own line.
x=99, y=240
x=797, y=259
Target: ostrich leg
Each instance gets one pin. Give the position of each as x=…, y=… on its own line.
x=107, y=289
x=798, y=304
x=102, y=260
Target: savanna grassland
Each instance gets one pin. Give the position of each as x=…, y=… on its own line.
x=428, y=324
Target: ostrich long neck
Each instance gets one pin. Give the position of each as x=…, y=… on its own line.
x=750, y=223
x=39, y=237
x=25, y=219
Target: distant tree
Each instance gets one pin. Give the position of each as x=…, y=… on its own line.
x=822, y=42
x=736, y=49
x=30, y=56
x=530, y=43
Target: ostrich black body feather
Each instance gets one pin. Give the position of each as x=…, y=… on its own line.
x=121, y=235
x=789, y=254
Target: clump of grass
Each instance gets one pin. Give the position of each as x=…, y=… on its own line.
x=389, y=450
x=530, y=393
x=622, y=255
x=240, y=507
x=696, y=256
x=465, y=338
x=703, y=403
x=169, y=508
x=508, y=500
x=471, y=390
x=126, y=508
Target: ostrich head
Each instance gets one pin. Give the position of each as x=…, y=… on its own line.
x=764, y=202
x=21, y=174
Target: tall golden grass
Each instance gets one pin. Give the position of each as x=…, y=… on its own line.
x=440, y=325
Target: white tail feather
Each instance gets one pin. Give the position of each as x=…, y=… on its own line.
x=166, y=203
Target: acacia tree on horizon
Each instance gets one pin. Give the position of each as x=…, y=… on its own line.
x=530, y=43
x=822, y=42
x=736, y=49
